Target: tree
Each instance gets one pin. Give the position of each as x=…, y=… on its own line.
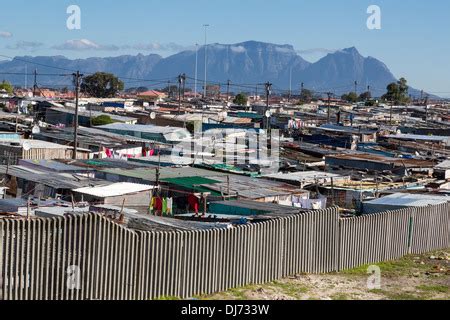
x=170, y=89
x=102, y=120
x=102, y=85
x=240, y=99
x=350, y=97
x=306, y=96
x=397, y=92
x=365, y=96
x=7, y=87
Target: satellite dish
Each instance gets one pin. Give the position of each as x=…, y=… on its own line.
x=26, y=146
x=268, y=114
x=153, y=115
x=36, y=130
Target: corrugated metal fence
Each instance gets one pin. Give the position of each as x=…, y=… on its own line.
x=91, y=257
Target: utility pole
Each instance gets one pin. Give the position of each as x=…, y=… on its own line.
x=329, y=94
x=302, y=87
x=183, y=77
x=180, y=82
x=426, y=109
x=206, y=59
x=169, y=88
x=390, y=114
x=268, y=93
x=158, y=169
x=332, y=192
x=196, y=70
x=17, y=118
x=77, y=78
x=228, y=90
x=35, y=83
x=290, y=84
x=26, y=78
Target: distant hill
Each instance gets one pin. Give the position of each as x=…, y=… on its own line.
x=139, y=67
x=246, y=63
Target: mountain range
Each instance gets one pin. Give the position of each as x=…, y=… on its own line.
x=248, y=63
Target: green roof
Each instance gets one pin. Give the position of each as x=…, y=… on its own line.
x=193, y=183
x=166, y=172
x=249, y=115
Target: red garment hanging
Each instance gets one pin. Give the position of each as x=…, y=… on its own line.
x=193, y=203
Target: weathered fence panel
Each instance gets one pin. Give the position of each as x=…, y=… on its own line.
x=89, y=257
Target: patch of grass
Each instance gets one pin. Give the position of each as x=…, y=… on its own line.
x=376, y=291
x=434, y=288
x=399, y=295
x=340, y=296
x=290, y=289
x=403, y=266
x=167, y=298
x=404, y=296
x=238, y=294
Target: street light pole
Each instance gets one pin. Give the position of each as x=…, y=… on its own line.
x=196, y=70
x=206, y=57
x=268, y=93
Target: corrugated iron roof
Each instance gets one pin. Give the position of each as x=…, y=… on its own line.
x=114, y=190
x=410, y=200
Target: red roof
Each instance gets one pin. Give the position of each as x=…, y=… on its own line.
x=151, y=93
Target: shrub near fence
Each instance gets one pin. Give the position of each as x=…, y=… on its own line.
x=91, y=257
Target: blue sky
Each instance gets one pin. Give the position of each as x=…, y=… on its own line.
x=413, y=42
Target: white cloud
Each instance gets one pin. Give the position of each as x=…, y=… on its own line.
x=238, y=49
x=316, y=51
x=5, y=34
x=84, y=45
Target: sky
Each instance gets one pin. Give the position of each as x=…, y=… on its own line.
x=413, y=40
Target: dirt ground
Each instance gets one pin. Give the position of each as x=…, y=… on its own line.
x=416, y=277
